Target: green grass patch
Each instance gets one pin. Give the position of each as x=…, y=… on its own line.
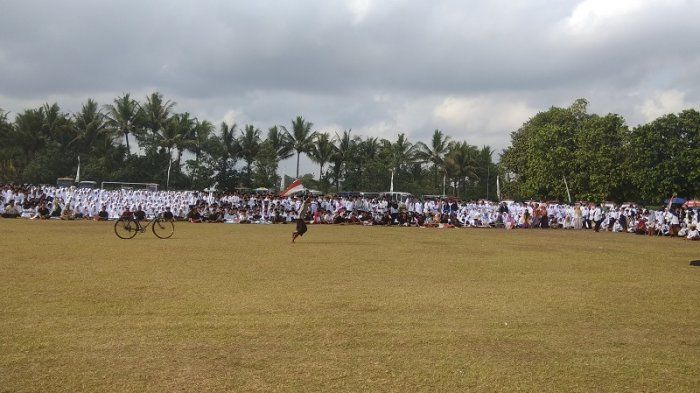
x=240, y=308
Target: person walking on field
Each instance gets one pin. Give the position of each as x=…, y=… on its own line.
x=301, y=224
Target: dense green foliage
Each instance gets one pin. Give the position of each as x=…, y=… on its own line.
x=135, y=141
x=132, y=141
x=601, y=158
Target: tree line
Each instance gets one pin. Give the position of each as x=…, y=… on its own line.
x=148, y=141
x=600, y=157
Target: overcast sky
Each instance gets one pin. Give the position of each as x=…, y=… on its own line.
x=475, y=69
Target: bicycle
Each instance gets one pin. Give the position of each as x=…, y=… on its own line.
x=128, y=227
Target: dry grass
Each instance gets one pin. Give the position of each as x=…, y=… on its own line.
x=239, y=308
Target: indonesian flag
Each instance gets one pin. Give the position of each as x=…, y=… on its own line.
x=296, y=186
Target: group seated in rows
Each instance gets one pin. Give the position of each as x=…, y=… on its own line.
x=42, y=202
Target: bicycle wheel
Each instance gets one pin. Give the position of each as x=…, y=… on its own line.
x=163, y=228
x=125, y=228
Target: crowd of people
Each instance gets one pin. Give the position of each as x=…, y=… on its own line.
x=46, y=202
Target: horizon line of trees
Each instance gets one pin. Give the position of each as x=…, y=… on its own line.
x=148, y=141
x=600, y=157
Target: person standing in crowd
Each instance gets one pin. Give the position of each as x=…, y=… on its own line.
x=578, y=217
x=598, y=217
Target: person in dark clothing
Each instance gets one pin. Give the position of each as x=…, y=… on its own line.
x=139, y=214
x=301, y=224
x=167, y=214
x=102, y=215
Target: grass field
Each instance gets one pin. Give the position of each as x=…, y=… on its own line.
x=239, y=308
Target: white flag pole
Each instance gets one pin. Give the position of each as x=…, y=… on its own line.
x=77, y=174
x=498, y=188
x=444, y=178
x=391, y=188
x=167, y=182
x=567, y=189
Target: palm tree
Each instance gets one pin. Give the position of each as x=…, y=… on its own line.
x=435, y=153
x=90, y=127
x=461, y=164
x=344, y=153
x=9, y=151
x=56, y=126
x=322, y=151
x=369, y=148
x=249, y=143
x=403, y=153
x=200, y=138
x=226, y=149
x=486, y=168
x=186, y=130
x=122, y=115
x=155, y=115
x=278, y=140
x=301, y=138
x=175, y=135
x=27, y=135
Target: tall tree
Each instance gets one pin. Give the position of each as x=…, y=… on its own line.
x=90, y=127
x=27, y=134
x=266, y=162
x=175, y=135
x=461, y=165
x=434, y=154
x=664, y=157
x=155, y=115
x=344, y=157
x=403, y=155
x=249, y=143
x=185, y=126
x=280, y=143
x=201, y=138
x=301, y=137
x=588, y=150
x=10, y=153
x=122, y=115
x=56, y=126
x=542, y=152
x=226, y=151
x=322, y=151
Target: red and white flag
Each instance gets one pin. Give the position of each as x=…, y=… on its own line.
x=296, y=186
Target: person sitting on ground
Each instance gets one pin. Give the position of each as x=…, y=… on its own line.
x=693, y=233
x=139, y=214
x=127, y=213
x=193, y=216
x=11, y=210
x=56, y=211
x=42, y=212
x=168, y=215
x=102, y=215
x=67, y=213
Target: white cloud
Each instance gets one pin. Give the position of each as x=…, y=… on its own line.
x=359, y=9
x=483, y=119
x=663, y=103
x=474, y=69
x=232, y=116
x=591, y=15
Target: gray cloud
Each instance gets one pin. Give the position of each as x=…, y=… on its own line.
x=474, y=69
